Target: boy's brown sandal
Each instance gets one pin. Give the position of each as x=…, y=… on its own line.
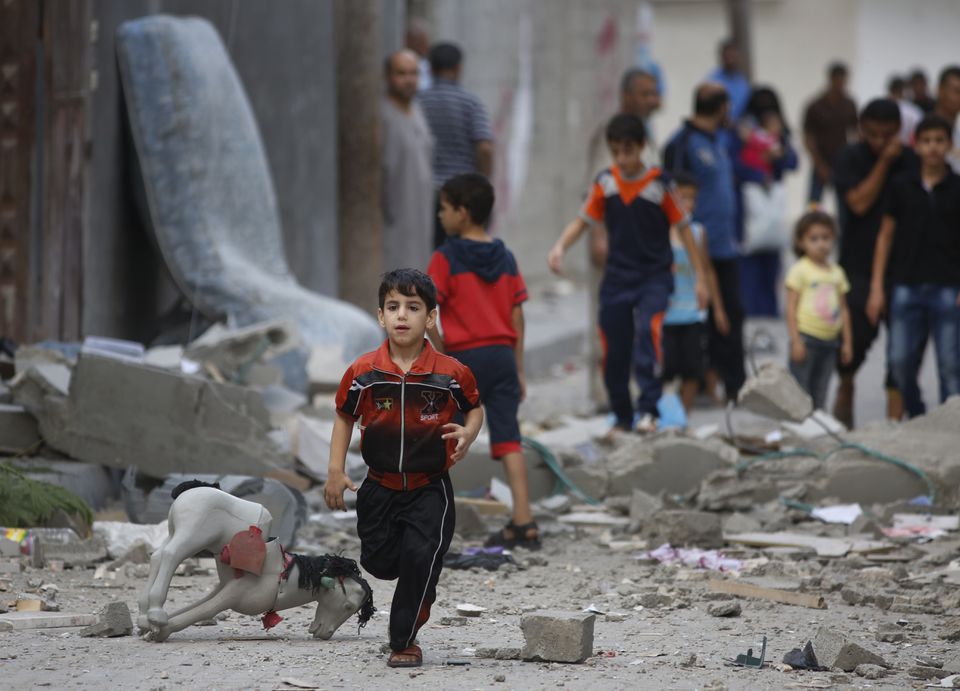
x=411, y=656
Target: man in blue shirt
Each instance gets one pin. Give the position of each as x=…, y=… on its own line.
x=729, y=74
x=696, y=149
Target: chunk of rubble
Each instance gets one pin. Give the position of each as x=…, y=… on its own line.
x=833, y=649
x=554, y=636
x=114, y=620
x=18, y=429
x=685, y=528
x=774, y=392
x=126, y=414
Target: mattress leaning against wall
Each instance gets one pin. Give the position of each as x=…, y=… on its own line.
x=207, y=193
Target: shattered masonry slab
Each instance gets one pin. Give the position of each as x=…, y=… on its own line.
x=555, y=636
x=774, y=392
x=833, y=649
x=122, y=414
x=18, y=429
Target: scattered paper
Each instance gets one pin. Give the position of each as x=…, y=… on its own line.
x=921, y=525
x=500, y=491
x=593, y=609
x=839, y=513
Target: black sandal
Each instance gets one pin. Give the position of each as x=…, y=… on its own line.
x=518, y=539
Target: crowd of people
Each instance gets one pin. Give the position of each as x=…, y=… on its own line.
x=688, y=241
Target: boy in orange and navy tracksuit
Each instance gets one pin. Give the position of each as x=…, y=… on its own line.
x=405, y=396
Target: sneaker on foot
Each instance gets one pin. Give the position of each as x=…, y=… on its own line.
x=647, y=424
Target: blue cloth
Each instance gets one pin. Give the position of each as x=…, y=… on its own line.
x=917, y=311
x=737, y=86
x=458, y=120
x=683, y=302
x=704, y=155
x=814, y=372
x=631, y=336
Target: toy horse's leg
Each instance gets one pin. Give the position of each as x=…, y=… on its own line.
x=223, y=598
x=166, y=559
x=144, y=602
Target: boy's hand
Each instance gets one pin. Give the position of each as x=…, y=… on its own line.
x=464, y=440
x=720, y=321
x=798, y=350
x=703, y=295
x=333, y=490
x=555, y=259
x=892, y=150
x=875, y=306
x=846, y=353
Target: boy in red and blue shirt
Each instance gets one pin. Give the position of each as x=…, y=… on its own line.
x=406, y=397
x=481, y=293
x=638, y=208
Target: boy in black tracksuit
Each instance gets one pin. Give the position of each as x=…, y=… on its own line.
x=405, y=396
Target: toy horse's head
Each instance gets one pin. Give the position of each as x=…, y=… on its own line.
x=339, y=588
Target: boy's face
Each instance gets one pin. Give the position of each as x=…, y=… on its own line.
x=932, y=147
x=687, y=197
x=626, y=155
x=405, y=318
x=453, y=219
x=878, y=135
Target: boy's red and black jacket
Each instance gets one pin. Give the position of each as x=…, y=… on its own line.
x=402, y=415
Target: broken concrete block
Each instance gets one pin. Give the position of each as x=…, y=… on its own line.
x=891, y=634
x=10, y=565
x=951, y=630
x=14, y=621
x=125, y=414
x=833, y=649
x=555, y=636
x=870, y=671
x=89, y=481
x=282, y=403
x=8, y=547
x=114, y=620
x=592, y=480
x=741, y=523
x=774, y=392
x=673, y=464
x=469, y=522
x=683, y=528
x=501, y=653
x=72, y=553
x=325, y=367
x=233, y=351
x=18, y=429
x=642, y=507
x=724, y=609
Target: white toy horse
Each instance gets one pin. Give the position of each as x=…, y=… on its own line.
x=256, y=575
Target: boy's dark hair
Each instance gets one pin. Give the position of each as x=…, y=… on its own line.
x=409, y=282
x=685, y=179
x=632, y=73
x=948, y=72
x=883, y=110
x=837, y=69
x=933, y=122
x=445, y=57
x=896, y=84
x=626, y=128
x=806, y=222
x=470, y=191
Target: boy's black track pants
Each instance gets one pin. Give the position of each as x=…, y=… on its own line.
x=404, y=536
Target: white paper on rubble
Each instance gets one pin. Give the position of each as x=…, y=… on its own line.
x=500, y=491
x=839, y=513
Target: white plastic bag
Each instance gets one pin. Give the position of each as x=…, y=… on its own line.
x=764, y=217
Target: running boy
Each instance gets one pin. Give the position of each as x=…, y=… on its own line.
x=817, y=316
x=481, y=291
x=922, y=224
x=684, y=324
x=638, y=208
x=405, y=395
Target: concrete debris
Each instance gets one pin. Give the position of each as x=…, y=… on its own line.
x=642, y=507
x=8, y=547
x=124, y=414
x=282, y=403
x=16, y=621
x=121, y=537
x=774, y=392
x=554, y=636
x=951, y=630
x=18, y=429
x=685, y=528
x=823, y=546
x=891, y=634
x=499, y=653
x=325, y=367
x=89, y=481
x=588, y=519
x=741, y=523
x=114, y=620
x=724, y=609
x=870, y=671
x=469, y=521
x=72, y=553
x=310, y=443
x=833, y=649
x=232, y=352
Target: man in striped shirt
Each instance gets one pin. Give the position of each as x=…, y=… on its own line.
x=458, y=121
